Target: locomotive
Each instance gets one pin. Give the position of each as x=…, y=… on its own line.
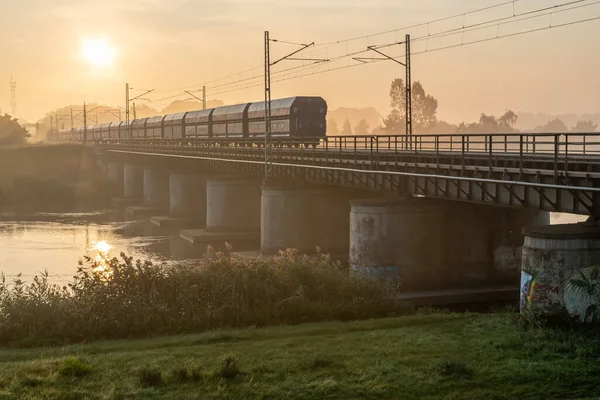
x=300, y=117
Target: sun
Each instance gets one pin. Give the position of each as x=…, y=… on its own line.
x=98, y=52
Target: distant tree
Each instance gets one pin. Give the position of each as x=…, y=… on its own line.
x=424, y=109
x=332, y=127
x=585, y=126
x=554, y=126
x=394, y=122
x=443, y=127
x=362, y=128
x=11, y=132
x=490, y=124
x=347, y=129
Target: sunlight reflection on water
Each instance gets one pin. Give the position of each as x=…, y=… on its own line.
x=56, y=243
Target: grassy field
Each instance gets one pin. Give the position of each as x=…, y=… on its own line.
x=436, y=356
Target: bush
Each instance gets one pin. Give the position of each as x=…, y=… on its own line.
x=122, y=298
x=228, y=368
x=74, y=367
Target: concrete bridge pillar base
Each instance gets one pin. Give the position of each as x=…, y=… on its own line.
x=430, y=244
x=553, y=256
x=304, y=218
x=232, y=216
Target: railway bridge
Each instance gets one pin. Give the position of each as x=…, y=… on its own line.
x=436, y=210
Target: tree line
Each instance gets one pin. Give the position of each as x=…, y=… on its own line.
x=425, y=121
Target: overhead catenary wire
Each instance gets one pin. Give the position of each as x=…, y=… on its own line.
x=324, y=44
x=595, y=18
x=450, y=32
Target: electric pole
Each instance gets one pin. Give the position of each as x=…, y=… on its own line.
x=268, y=65
x=204, y=97
x=127, y=103
x=268, y=143
x=13, y=96
x=408, y=91
x=409, y=130
x=84, y=123
x=134, y=114
x=71, y=118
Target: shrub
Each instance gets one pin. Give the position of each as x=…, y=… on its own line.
x=74, y=367
x=228, y=368
x=123, y=298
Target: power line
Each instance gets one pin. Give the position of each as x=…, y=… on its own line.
x=421, y=52
x=449, y=32
x=504, y=3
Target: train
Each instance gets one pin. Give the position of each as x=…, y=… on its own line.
x=300, y=117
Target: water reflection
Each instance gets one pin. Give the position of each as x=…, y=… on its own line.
x=57, y=242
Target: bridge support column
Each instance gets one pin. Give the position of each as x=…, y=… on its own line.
x=116, y=176
x=553, y=256
x=431, y=244
x=305, y=218
x=156, y=188
x=232, y=215
x=187, y=203
x=133, y=178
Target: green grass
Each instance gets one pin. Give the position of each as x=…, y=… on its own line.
x=435, y=356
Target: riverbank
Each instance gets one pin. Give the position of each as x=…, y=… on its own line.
x=435, y=356
x=52, y=178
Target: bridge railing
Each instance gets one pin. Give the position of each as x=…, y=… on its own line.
x=513, y=144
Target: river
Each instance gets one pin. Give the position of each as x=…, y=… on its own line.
x=37, y=242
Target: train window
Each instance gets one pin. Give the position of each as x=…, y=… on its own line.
x=295, y=110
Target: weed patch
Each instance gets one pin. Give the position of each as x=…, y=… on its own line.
x=74, y=367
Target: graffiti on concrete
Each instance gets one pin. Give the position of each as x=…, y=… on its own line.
x=538, y=294
x=527, y=284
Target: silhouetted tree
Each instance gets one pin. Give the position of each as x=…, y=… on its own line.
x=585, y=126
x=362, y=128
x=443, y=127
x=553, y=126
x=424, y=109
x=347, y=129
x=11, y=132
x=490, y=124
x=332, y=127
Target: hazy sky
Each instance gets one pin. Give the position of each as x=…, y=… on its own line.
x=174, y=44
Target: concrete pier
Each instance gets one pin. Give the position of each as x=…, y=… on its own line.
x=156, y=188
x=552, y=257
x=116, y=175
x=187, y=204
x=133, y=178
x=304, y=218
x=435, y=244
x=232, y=216
x=233, y=205
x=187, y=195
x=397, y=239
